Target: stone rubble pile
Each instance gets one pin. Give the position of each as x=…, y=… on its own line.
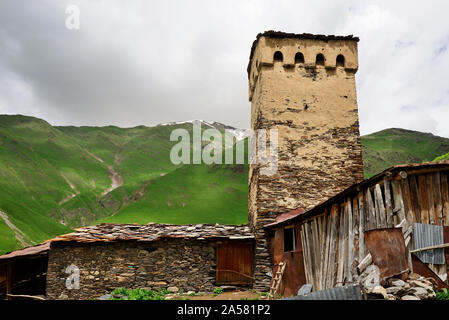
x=408, y=287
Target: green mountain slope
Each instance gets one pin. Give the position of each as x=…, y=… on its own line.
x=53, y=179
x=390, y=147
x=58, y=178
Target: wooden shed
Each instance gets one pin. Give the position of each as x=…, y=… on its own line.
x=23, y=272
x=330, y=236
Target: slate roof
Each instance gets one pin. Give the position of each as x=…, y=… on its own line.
x=108, y=232
x=40, y=249
x=408, y=168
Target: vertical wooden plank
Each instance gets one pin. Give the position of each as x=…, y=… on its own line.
x=305, y=249
x=380, y=208
x=327, y=248
x=350, y=246
x=323, y=238
x=445, y=196
x=424, y=201
x=398, y=201
x=361, y=228
x=371, y=210
x=388, y=205
x=310, y=253
x=431, y=201
x=355, y=222
x=341, y=247
x=333, y=259
x=332, y=248
x=408, y=208
x=316, y=258
x=438, y=199
x=415, y=198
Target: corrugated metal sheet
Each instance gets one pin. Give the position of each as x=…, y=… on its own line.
x=427, y=235
x=349, y=292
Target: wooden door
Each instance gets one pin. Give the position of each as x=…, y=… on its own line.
x=234, y=263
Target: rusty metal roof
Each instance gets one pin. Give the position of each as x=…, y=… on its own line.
x=281, y=35
x=39, y=249
x=108, y=232
x=415, y=167
x=285, y=217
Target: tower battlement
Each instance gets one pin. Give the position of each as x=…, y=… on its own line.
x=301, y=51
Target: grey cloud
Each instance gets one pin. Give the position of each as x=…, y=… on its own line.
x=147, y=62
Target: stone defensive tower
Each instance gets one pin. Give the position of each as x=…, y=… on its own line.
x=303, y=85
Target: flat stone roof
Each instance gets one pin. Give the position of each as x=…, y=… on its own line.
x=108, y=232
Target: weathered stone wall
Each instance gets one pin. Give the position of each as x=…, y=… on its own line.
x=186, y=264
x=314, y=108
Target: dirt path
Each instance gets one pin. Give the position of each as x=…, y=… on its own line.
x=116, y=179
x=237, y=295
x=73, y=195
x=20, y=236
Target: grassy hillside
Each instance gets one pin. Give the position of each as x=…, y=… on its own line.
x=398, y=146
x=443, y=157
x=56, y=178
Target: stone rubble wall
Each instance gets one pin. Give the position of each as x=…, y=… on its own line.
x=185, y=264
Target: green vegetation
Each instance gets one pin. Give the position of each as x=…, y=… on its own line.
x=390, y=147
x=442, y=158
x=53, y=179
x=442, y=295
x=217, y=291
x=138, y=294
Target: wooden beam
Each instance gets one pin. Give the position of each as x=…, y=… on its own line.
x=438, y=199
x=439, y=246
x=429, y=181
x=424, y=200
x=415, y=198
x=445, y=200
x=388, y=205
x=380, y=208
x=398, y=200
x=361, y=227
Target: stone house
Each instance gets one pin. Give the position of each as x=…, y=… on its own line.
x=153, y=256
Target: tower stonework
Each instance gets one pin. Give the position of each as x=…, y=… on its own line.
x=304, y=86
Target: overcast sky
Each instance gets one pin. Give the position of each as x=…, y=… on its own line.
x=147, y=62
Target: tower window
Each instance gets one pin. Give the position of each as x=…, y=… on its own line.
x=319, y=59
x=340, y=60
x=289, y=239
x=299, y=57
x=278, y=56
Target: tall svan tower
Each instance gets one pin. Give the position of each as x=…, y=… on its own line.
x=304, y=86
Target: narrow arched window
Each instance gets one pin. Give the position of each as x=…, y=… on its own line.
x=319, y=59
x=278, y=56
x=340, y=60
x=299, y=57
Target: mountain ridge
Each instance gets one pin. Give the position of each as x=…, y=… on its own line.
x=55, y=178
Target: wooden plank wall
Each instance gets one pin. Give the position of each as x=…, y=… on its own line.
x=333, y=242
